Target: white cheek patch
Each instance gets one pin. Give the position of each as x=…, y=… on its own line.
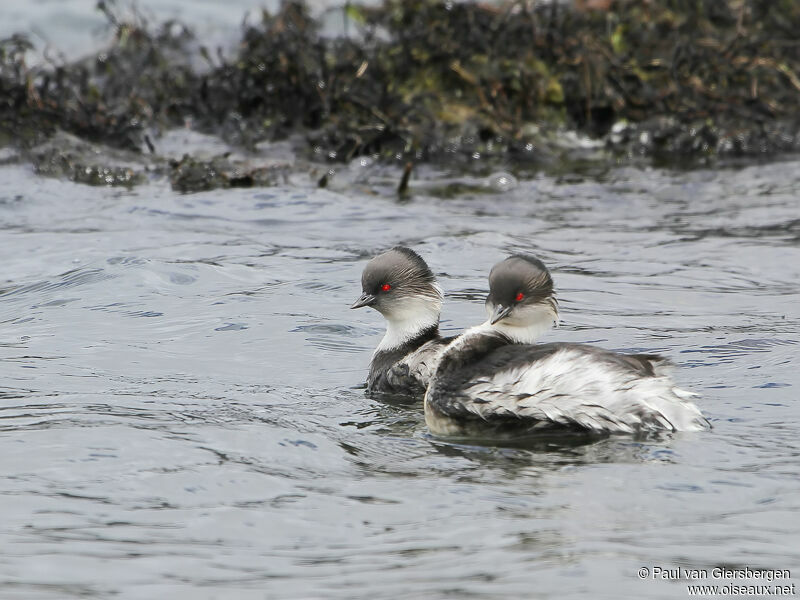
x=407, y=317
x=526, y=324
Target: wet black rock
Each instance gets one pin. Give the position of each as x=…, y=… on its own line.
x=69, y=157
x=193, y=175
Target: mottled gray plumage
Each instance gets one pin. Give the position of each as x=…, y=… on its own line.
x=407, y=369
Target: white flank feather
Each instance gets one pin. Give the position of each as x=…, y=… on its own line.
x=572, y=388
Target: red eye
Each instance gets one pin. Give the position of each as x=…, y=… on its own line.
x=520, y=296
x=386, y=287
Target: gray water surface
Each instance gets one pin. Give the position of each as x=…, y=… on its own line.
x=181, y=413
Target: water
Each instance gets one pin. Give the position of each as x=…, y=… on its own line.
x=72, y=29
x=181, y=416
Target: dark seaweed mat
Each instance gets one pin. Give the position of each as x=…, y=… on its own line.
x=677, y=82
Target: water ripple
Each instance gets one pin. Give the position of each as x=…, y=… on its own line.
x=183, y=400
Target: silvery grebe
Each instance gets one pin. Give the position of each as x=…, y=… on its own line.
x=493, y=379
x=399, y=285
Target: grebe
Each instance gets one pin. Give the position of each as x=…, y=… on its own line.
x=493, y=380
x=399, y=285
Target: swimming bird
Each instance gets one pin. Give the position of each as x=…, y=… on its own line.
x=493, y=380
x=400, y=285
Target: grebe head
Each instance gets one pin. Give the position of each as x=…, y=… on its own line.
x=521, y=302
x=399, y=285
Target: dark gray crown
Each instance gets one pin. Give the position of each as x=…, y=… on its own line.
x=403, y=269
x=520, y=273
